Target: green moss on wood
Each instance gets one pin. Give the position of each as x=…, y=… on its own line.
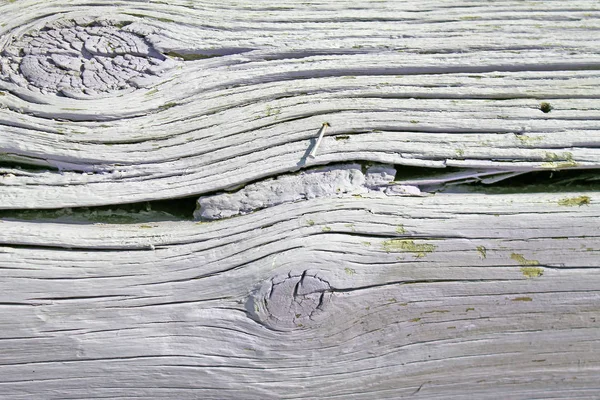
x=408, y=246
x=556, y=161
x=522, y=260
x=575, y=201
x=482, y=251
x=189, y=56
x=524, y=298
x=167, y=106
x=545, y=107
x=532, y=272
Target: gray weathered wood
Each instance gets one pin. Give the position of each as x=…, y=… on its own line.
x=341, y=282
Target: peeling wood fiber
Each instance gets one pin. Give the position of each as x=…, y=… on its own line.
x=400, y=260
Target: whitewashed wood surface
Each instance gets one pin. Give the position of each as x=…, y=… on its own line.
x=341, y=283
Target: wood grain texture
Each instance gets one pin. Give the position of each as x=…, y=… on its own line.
x=408, y=83
x=463, y=294
x=417, y=287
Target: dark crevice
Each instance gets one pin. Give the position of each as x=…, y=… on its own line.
x=448, y=180
x=534, y=182
x=150, y=211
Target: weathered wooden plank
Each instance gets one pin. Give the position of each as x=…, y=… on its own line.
x=347, y=274
x=435, y=88
x=417, y=288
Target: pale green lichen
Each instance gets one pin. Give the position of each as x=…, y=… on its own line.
x=528, y=140
x=326, y=229
x=575, y=201
x=482, y=251
x=415, y=319
x=310, y=222
x=556, y=161
x=532, y=272
x=408, y=246
x=400, y=229
x=349, y=271
x=522, y=260
x=270, y=112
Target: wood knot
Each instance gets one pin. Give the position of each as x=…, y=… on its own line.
x=82, y=57
x=291, y=302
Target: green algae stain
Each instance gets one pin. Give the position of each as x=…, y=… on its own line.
x=555, y=161
x=532, y=272
x=482, y=251
x=408, y=246
x=528, y=140
x=167, y=106
x=575, y=201
x=525, y=298
x=415, y=320
x=349, y=271
x=522, y=260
